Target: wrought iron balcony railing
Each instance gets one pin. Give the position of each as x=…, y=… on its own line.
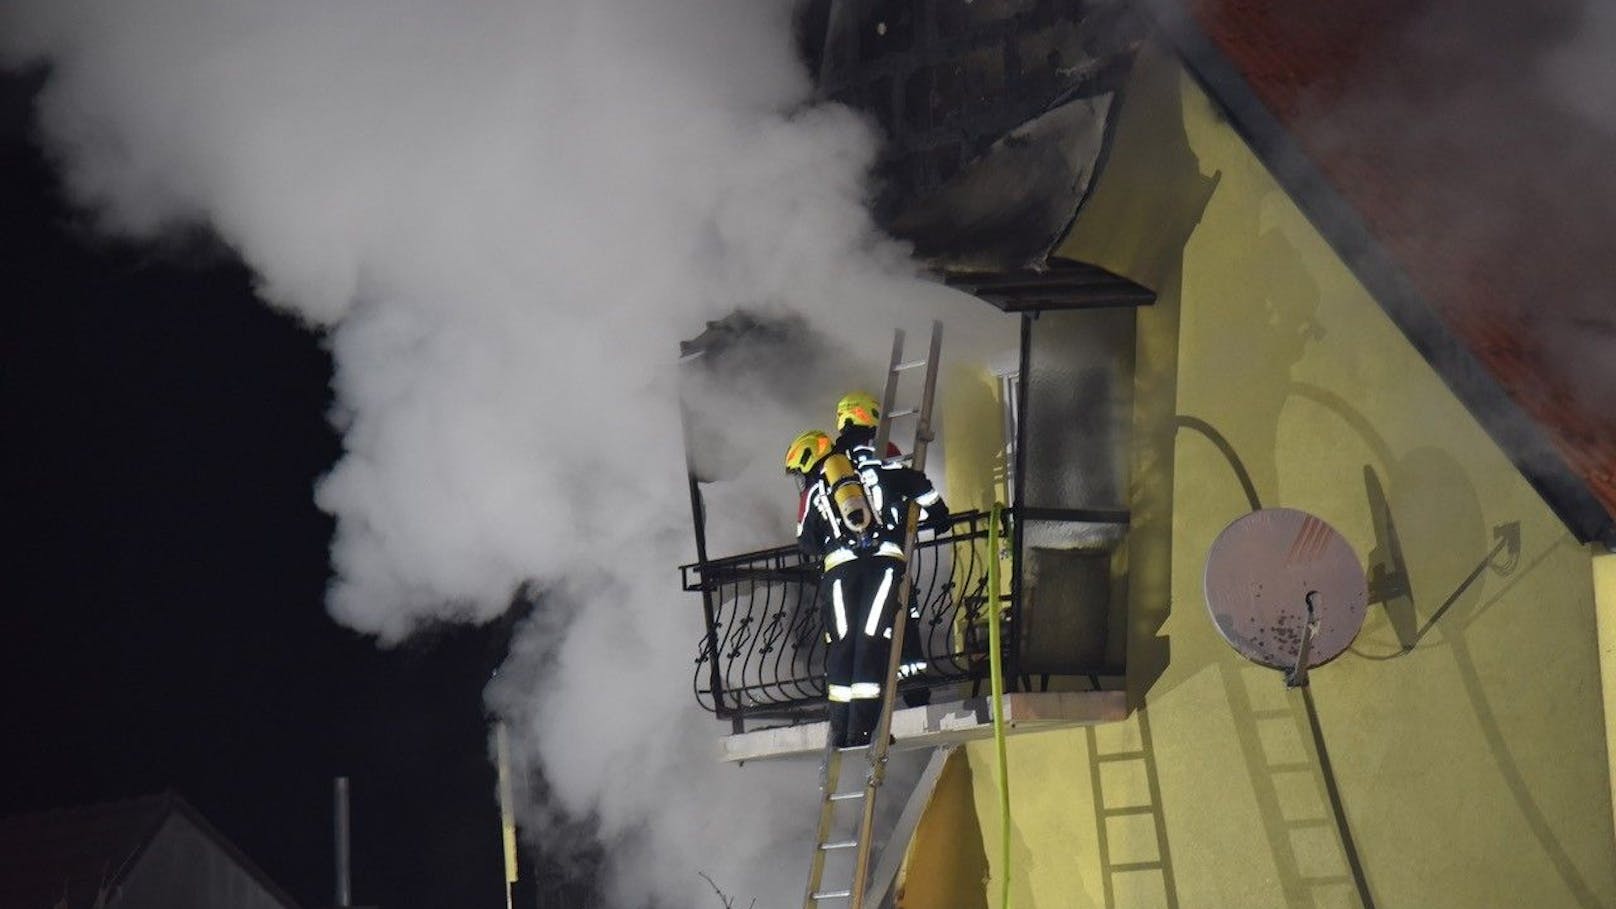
x=762, y=654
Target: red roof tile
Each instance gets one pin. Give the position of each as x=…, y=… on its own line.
x=1442, y=126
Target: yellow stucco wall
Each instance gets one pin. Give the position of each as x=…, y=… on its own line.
x=1604, y=565
x=969, y=396
x=1472, y=768
x=949, y=845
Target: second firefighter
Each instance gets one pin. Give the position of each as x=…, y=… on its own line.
x=859, y=534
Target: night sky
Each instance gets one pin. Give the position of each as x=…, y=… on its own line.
x=163, y=622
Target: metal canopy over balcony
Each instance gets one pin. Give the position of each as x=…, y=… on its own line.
x=995, y=117
x=1064, y=284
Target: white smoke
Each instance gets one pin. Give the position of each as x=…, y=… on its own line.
x=505, y=215
x=1580, y=74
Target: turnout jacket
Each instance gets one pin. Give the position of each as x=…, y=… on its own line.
x=890, y=488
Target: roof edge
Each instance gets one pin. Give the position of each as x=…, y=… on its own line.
x=163, y=804
x=1516, y=433
x=179, y=806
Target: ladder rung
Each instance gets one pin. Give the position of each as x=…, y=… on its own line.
x=844, y=796
x=839, y=844
x=907, y=411
x=832, y=894
x=1132, y=809
x=1119, y=756
x=912, y=364
x=1136, y=866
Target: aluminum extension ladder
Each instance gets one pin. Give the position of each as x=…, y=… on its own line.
x=875, y=753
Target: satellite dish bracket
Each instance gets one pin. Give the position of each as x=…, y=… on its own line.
x=1297, y=677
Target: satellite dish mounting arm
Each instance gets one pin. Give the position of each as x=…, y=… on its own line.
x=1297, y=677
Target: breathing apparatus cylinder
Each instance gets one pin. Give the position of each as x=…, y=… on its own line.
x=847, y=490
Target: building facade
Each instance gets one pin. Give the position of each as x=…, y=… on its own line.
x=1456, y=754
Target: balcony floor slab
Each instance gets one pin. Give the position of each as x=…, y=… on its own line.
x=941, y=724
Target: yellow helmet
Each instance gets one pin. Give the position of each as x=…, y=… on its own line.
x=806, y=450
x=857, y=409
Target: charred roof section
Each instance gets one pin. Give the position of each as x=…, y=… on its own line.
x=996, y=114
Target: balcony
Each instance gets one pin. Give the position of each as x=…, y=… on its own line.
x=760, y=661
x=1064, y=461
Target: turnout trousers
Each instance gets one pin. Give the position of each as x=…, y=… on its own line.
x=857, y=602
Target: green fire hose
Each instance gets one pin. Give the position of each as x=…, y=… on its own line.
x=997, y=670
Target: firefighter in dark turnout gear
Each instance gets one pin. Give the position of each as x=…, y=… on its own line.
x=863, y=571
x=858, y=417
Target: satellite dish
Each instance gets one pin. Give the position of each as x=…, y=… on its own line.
x=1285, y=590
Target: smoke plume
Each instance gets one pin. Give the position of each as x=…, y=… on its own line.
x=503, y=216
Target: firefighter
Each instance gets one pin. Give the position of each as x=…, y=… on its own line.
x=863, y=568
x=858, y=417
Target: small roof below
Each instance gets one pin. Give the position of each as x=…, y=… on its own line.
x=68, y=857
x=76, y=857
x=942, y=724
